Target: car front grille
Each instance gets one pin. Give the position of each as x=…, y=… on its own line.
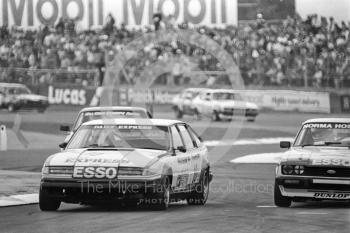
x=327, y=172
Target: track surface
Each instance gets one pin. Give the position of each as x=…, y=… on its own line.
x=241, y=198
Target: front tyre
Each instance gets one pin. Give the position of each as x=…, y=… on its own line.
x=200, y=195
x=281, y=201
x=46, y=202
x=163, y=196
x=178, y=113
x=215, y=116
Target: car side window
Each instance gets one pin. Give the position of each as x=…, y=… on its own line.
x=177, y=141
x=194, y=136
x=186, y=137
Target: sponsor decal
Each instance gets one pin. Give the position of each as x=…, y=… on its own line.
x=66, y=96
x=95, y=172
x=96, y=160
x=134, y=13
x=334, y=162
x=182, y=181
x=332, y=195
x=326, y=126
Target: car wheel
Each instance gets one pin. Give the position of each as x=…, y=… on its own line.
x=281, y=201
x=11, y=108
x=197, y=114
x=200, y=195
x=251, y=119
x=178, y=113
x=41, y=110
x=46, y=202
x=163, y=196
x=215, y=116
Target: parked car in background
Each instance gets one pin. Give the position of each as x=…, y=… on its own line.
x=223, y=104
x=15, y=96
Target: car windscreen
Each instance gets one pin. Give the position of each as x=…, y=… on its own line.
x=97, y=115
x=226, y=96
x=121, y=136
x=324, y=134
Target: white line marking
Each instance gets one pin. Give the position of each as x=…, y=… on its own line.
x=311, y=213
x=23, y=199
x=266, y=206
x=266, y=158
x=257, y=141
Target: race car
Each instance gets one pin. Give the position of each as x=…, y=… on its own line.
x=130, y=161
x=223, y=104
x=317, y=165
x=182, y=103
x=15, y=96
x=94, y=113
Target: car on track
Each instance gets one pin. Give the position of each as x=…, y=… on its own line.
x=223, y=104
x=182, y=103
x=130, y=161
x=15, y=96
x=106, y=112
x=317, y=164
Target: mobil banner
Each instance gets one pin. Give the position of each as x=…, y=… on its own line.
x=134, y=13
x=286, y=100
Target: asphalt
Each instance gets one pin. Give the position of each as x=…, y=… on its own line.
x=241, y=197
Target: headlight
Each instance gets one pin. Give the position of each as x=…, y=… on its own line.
x=130, y=171
x=45, y=170
x=287, y=169
x=150, y=172
x=60, y=170
x=299, y=169
x=293, y=169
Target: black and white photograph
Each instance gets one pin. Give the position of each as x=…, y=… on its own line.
x=210, y=116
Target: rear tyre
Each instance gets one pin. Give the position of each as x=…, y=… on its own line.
x=200, y=195
x=41, y=110
x=163, y=196
x=11, y=108
x=251, y=119
x=281, y=201
x=46, y=202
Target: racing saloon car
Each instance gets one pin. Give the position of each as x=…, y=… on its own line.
x=317, y=165
x=15, y=96
x=223, y=104
x=95, y=113
x=132, y=161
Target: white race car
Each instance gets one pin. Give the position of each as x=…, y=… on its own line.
x=95, y=113
x=132, y=161
x=317, y=165
x=223, y=104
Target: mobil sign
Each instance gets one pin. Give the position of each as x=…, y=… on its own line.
x=134, y=13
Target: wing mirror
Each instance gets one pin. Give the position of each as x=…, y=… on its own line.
x=182, y=149
x=285, y=144
x=65, y=128
x=63, y=145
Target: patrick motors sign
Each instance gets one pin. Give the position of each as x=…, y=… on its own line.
x=134, y=13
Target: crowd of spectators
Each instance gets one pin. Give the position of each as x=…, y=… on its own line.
x=311, y=52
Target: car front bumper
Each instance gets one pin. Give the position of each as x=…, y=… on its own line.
x=78, y=191
x=314, y=187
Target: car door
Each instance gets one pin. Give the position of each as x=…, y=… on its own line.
x=180, y=161
x=192, y=151
x=207, y=104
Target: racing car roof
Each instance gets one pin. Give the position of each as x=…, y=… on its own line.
x=133, y=121
x=328, y=120
x=112, y=108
